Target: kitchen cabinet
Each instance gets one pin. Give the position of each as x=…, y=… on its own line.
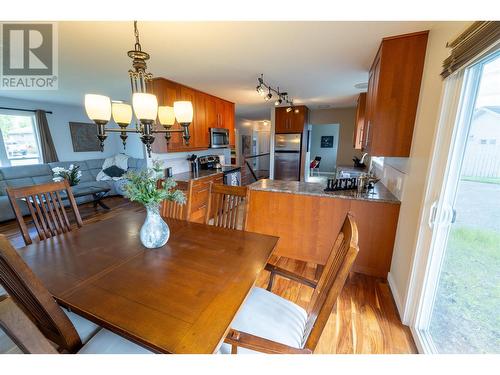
x=208, y=112
x=308, y=225
x=290, y=122
x=359, y=123
x=392, y=97
x=197, y=196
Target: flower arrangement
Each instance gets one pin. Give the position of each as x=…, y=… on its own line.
x=143, y=187
x=72, y=174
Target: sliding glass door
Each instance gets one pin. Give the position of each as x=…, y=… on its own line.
x=460, y=312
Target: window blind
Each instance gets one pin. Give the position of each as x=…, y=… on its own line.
x=472, y=42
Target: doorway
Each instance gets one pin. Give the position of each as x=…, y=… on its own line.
x=461, y=297
x=324, y=144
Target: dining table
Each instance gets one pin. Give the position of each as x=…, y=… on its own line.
x=179, y=298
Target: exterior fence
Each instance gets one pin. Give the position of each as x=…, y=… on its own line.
x=482, y=160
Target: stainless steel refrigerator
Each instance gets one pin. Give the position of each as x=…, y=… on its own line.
x=287, y=157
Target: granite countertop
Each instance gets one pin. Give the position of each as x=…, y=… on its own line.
x=379, y=194
x=202, y=173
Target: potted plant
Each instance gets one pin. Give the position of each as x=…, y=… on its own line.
x=72, y=174
x=143, y=187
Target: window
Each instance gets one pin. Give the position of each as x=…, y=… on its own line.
x=19, y=144
x=458, y=312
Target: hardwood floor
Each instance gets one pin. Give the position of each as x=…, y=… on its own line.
x=365, y=320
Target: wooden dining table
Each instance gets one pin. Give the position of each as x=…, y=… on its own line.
x=180, y=298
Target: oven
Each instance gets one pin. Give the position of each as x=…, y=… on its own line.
x=219, y=137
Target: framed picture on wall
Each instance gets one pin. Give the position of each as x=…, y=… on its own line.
x=327, y=141
x=84, y=137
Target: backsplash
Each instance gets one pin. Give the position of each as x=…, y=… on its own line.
x=392, y=173
x=178, y=160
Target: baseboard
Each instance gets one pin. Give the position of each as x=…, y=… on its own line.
x=395, y=295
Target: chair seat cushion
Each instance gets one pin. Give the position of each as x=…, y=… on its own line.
x=267, y=315
x=85, y=328
x=106, y=342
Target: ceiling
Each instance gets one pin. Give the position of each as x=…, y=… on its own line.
x=317, y=63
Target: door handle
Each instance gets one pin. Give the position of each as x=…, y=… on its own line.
x=432, y=214
x=367, y=133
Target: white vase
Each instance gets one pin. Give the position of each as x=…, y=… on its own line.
x=154, y=232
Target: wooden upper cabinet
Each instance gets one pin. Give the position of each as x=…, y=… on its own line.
x=393, y=92
x=359, y=122
x=229, y=121
x=208, y=112
x=290, y=122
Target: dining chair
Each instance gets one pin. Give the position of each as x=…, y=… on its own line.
x=174, y=210
x=227, y=206
x=45, y=204
x=271, y=324
x=70, y=332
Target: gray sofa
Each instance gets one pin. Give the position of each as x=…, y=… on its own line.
x=40, y=173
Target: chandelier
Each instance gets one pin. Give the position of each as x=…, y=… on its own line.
x=101, y=108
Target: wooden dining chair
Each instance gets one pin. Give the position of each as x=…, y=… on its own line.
x=227, y=206
x=70, y=333
x=174, y=210
x=45, y=204
x=271, y=324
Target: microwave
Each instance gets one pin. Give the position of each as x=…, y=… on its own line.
x=219, y=137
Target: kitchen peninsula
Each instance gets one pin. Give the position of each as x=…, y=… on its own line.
x=307, y=219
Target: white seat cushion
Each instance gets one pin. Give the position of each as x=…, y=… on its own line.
x=106, y=342
x=85, y=328
x=267, y=315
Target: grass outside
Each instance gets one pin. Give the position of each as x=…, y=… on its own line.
x=466, y=316
x=484, y=180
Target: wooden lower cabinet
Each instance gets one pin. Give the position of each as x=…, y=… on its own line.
x=197, y=196
x=308, y=226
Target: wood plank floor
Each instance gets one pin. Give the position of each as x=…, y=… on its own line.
x=365, y=320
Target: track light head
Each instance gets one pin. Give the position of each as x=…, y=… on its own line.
x=289, y=109
x=268, y=96
x=278, y=102
x=260, y=90
x=296, y=110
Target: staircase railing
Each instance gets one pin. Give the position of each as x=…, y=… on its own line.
x=261, y=161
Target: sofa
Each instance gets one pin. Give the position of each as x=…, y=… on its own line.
x=26, y=175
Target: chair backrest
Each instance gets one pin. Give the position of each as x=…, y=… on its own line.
x=46, y=207
x=227, y=206
x=331, y=282
x=21, y=330
x=175, y=210
x=31, y=296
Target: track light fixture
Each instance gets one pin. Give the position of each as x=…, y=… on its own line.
x=282, y=97
x=268, y=96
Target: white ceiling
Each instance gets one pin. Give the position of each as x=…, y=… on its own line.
x=317, y=63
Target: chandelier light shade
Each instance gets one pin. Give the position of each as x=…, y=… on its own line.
x=122, y=113
x=145, y=106
x=166, y=116
x=98, y=107
x=183, y=112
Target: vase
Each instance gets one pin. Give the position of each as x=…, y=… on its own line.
x=154, y=232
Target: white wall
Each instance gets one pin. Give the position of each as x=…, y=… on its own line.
x=328, y=155
x=418, y=163
x=59, y=128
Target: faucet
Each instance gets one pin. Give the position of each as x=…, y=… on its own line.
x=363, y=158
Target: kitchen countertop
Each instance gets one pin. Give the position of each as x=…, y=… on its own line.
x=202, y=173
x=379, y=194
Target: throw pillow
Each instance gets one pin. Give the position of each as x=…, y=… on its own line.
x=114, y=171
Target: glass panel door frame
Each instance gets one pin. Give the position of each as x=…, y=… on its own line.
x=451, y=139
